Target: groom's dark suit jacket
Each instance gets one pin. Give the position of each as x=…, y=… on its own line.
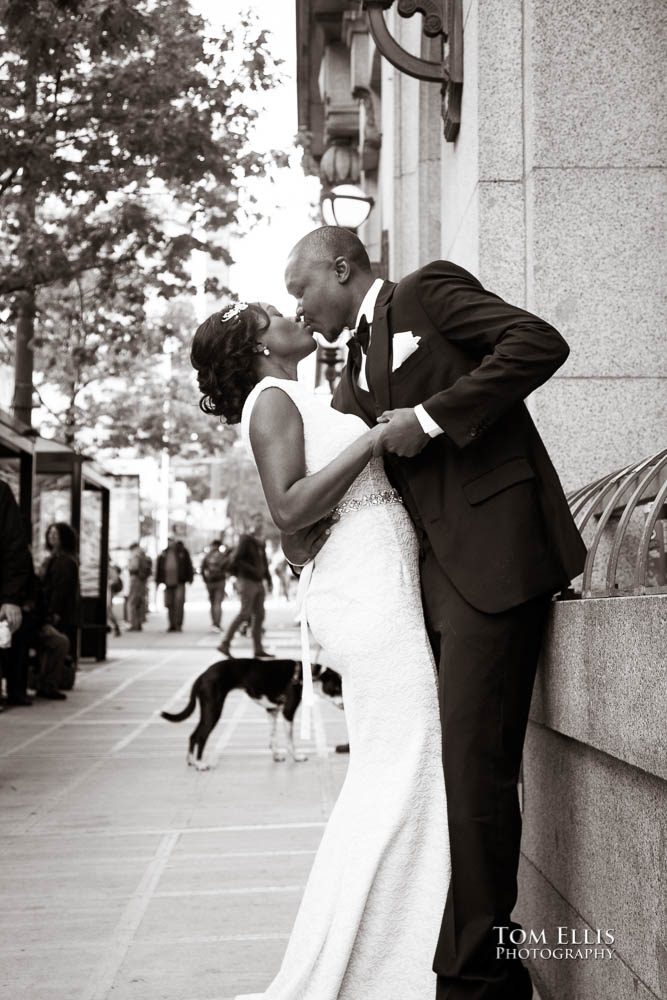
x=485, y=492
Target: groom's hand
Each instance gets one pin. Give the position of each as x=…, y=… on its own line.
x=403, y=434
x=302, y=546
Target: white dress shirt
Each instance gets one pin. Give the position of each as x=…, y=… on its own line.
x=367, y=308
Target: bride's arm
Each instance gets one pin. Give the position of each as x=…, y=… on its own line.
x=296, y=500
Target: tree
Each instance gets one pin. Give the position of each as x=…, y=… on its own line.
x=242, y=485
x=127, y=387
x=111, y=113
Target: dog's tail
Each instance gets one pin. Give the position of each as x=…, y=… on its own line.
x=187, y=711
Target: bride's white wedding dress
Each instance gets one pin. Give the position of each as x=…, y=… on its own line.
x=370, y=915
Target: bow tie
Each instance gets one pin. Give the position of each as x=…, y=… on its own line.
x=360, y=338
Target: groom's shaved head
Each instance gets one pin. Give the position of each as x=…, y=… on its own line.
x=328, y=272
x=330, y=242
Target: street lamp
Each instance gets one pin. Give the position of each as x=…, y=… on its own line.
x=346, y=205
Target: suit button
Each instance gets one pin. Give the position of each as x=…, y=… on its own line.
x=474, y=432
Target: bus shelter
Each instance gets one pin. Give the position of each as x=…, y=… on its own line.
x=17, y=464
x=70, y=487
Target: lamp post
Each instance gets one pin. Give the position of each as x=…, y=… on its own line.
x=343, y=202
x=345, y=205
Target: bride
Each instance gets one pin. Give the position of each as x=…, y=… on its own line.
x=370, y=916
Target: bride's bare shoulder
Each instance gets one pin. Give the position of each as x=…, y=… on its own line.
x=274, y=413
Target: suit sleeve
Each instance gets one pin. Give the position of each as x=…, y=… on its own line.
x=516, y=351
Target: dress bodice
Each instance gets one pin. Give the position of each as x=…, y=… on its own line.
x=326, y=433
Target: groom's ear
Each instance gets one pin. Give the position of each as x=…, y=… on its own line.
x=342, y=266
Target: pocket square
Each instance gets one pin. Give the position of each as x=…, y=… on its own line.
x=404, y=344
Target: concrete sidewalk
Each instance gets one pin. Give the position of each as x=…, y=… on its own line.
x=126, y=874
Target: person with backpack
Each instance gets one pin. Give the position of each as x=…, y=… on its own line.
x=214, y=569
x=140, y=568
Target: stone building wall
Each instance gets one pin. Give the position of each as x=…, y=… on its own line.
x=553, y=195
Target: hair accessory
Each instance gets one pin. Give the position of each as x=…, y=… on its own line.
x=233, y=311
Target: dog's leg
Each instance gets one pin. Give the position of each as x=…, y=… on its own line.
x=210, y=714
x=277, y=739
x=192, y=745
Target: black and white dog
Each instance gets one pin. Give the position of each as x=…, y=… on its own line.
x=274, y=684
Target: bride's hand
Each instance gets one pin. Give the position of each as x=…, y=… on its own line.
x=376, y=435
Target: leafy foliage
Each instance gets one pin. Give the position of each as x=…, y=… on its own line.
x=128, y=386
x=105, y=108
x=124, y=146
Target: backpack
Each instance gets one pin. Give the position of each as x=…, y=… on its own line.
x=216, y=565
x=115, y=581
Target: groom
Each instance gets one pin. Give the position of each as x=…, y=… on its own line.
x=446, y=366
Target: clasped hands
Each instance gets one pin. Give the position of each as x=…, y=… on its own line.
x=398, y=432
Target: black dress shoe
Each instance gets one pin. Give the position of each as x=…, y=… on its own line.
x=343, y=748
x=53, y=695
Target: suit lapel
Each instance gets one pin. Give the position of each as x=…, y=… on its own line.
x=378, y=362
x=348, y=398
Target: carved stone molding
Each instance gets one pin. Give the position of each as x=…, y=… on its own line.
x=442, y=19
x=371, y=138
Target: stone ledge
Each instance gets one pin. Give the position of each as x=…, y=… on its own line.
x=541, y=906
x=601, y=678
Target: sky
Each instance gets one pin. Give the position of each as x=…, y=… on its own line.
x=289, y=203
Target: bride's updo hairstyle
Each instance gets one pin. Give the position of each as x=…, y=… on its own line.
x=224, y=355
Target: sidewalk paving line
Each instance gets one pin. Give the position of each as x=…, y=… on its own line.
x=155, y=714
x=219, y=938
x=102, y=980
x=217, y=855
x=51, y=802
x=252, y=890
x=138, y=831
x=82, y=711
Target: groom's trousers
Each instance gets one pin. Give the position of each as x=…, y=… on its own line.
x=487, y=665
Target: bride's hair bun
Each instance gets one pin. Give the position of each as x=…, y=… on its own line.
x=224, y=355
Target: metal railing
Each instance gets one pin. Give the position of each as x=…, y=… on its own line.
x=623, y=520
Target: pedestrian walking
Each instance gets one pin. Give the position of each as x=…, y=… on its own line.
x=114, y=588
x=281, y=570
x=213, y=569
x=140, y=568
x=174, y=570
x=251, y=568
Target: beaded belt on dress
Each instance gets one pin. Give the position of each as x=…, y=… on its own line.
x=368, y=500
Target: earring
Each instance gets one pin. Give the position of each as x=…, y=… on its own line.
x=266, y=351
x=260, y=350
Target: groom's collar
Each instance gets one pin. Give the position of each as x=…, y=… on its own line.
x=367, y=307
